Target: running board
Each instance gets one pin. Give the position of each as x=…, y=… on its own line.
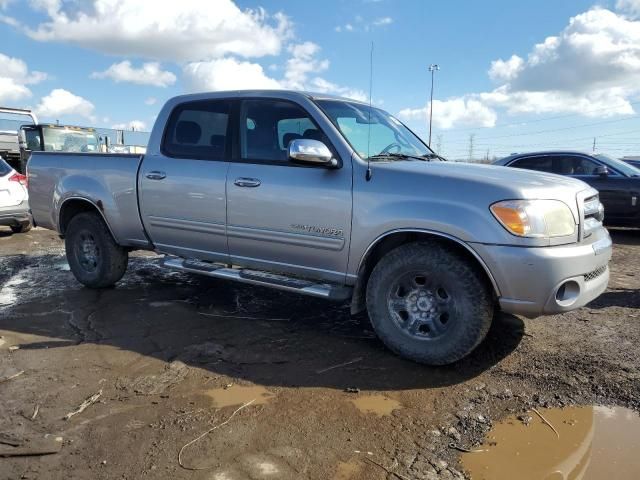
x=256, y=277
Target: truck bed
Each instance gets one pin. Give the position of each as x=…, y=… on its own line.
x=107, y=180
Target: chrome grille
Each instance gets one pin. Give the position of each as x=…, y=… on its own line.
x=593, y=213
x=595, y=274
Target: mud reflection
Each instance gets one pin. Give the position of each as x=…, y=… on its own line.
x=238, y=395
x=380, y=405
x=593, y=443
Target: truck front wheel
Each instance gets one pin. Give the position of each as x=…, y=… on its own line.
x=96, y=260
x=428, y=303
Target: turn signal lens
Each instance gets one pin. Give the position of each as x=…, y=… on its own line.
x=535, y=218
x=512, y=218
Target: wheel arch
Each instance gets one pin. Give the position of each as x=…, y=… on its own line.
x=394, y=238
x=72, y=206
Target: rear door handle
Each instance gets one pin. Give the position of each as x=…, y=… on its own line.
x=247, y=182
x=156, y=175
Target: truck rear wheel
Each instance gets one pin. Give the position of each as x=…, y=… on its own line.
x=96, y=260
x=427, y=303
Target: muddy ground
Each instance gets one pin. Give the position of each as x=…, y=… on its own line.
x=162, y=348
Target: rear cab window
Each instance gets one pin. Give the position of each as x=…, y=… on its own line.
x=199, y=130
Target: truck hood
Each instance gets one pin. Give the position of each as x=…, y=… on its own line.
x=455, y=198
x=503, y=182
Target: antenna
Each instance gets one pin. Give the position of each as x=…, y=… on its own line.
x=368, y=174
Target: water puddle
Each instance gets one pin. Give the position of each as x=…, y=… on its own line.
x=592, y=443
x=238, y=395
x=347, y=470
x=376, y=404
x=63, y=267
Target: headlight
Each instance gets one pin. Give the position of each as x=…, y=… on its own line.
x=535, y=218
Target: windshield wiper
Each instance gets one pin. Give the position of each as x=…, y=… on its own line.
x=430, y=156
x=399, y=156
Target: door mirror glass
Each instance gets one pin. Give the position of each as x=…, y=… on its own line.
x=602, y=170
x=311, y=152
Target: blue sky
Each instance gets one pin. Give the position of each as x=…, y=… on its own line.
x=518, y=76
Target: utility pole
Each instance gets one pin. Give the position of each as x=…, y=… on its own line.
x=594, y=144
x=432, y=68
x=471, y=139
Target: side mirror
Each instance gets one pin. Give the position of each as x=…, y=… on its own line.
x=311, y=152
x=602, y=170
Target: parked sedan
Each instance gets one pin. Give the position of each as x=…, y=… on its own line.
x=14, y=205
x=633, y=163
x=617, y=181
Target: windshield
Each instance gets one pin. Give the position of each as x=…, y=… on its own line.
x=619, y=165
x=69, y=140
x=371, y=131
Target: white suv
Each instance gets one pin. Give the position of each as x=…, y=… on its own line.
x=14, y=199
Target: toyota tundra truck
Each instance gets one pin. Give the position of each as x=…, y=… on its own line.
x=336, y=199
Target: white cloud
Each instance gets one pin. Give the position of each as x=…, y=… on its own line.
x=151, y=101
x=300, y=73
x=17, y=70
x=137, y=125
x=227, y=74
x=149, y=74
x=379, y=22
x=62, y=102
x=359, y=24
x=598, y=49
x=14, y=78
x=592, y=68
x=594, y=62
x=505, y=70
x=11, y=91
x=453, y=112
x=632, y=7
x=599, y=103
x=321, y=85
x=188, y=30
x=303, y=62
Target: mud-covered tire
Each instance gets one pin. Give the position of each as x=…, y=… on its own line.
x=439, y=278
x=22, y=228
x=96, y=260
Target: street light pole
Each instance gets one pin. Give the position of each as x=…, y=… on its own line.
x=432, y=68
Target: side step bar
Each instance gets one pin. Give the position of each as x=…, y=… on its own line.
x=256, y=277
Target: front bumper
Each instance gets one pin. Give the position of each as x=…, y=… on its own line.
x=15, y=215
x=548, y=280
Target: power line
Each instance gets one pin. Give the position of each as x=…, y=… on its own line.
x=544, y=119
x=553, y=130
x=565, y=141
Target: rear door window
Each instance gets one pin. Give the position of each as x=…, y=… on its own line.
x=199, y=130
x=540, y=164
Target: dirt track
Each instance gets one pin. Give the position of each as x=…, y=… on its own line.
x=162, y=347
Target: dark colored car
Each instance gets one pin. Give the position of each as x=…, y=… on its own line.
x=633, y=163
x=617, y=181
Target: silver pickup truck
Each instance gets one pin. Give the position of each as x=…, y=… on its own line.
x=331, y=198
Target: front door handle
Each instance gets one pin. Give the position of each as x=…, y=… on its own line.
x=247, y=182
x=156, y=175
